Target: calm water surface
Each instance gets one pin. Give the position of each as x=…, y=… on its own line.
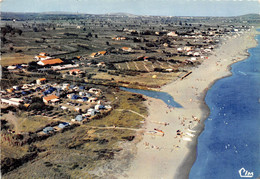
x=165, y=97
x=231, y=139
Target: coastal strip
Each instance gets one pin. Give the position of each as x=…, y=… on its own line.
x=172, y=153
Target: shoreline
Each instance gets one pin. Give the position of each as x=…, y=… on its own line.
x=172, y=156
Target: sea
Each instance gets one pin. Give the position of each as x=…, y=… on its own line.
x=229, y=146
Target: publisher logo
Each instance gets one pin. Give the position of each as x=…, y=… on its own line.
x=245, y=174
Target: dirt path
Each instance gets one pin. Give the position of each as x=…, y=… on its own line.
x=10, y=117
x=132, y=112
x=115, y=127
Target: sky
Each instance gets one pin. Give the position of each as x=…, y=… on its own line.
x=137, y=7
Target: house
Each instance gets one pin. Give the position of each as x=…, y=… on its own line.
x=42, y=57
x=101, y=64
x=93, y=55
x=91, y=100
x=50, y=62
x=172, y=34
x=189, y=53
x=12, y=101
x=126, y=49
x=10, y=90
x=50, y=98
x=70, y=95
x=12, y=67
x=98, y=107
x=94, y=90
x=119, y=38
x=192, y=59
x=62, y=67
x=41, y=81
x=16, y=87
x=179, y=49
x=196, y=54
x=75, y=71
x=187, y=48
x=48, y=130
x=102, y=52
x=64, y=107
x=92, y=112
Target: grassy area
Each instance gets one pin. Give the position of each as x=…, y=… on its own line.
x=145, y=79
x=77, y=153
x=12, y=151
x=32, y=123
x=121, y=118
x=15, y=58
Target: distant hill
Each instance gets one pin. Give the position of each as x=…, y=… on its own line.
x=121, y=14
x=255, y=18
x=250, y=16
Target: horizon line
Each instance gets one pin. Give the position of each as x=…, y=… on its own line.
x=123, y=13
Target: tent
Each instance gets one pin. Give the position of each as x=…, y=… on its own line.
x=75, y=97
x=79, y=118
x=85, y=99
x=47, y=130
x=82, y=87
x=63, y=125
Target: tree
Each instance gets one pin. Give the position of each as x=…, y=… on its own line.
x=19, y=31
x=35, y=29
x=89, y=34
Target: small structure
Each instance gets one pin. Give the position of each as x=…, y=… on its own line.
x=93, y=55
x=10, y=90
x=196, y=54
x=75, y=71
x=101, y=64
x=172, y=34
x=64, y=107
x=187, y=48
x=126, y=49
x=99, y=107
x=102, y=52
x=179, y=49
x=48, y=130
x=42, y=57
x=70, y=95
x=63, y=125
x=79, y=118
x=119, y=38
x=41, y=81
x=43, y=54
x=12, y=67
x=12, y=101
x=50, y=98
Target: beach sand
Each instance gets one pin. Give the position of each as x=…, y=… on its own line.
x=172, y=155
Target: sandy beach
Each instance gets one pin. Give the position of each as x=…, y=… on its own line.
x=171, y=154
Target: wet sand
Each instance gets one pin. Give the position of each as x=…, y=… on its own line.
x=171, y=154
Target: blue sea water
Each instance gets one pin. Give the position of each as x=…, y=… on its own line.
x=231, y=138
x=165, y=97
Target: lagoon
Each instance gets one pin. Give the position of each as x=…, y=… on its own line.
x=165, y=97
